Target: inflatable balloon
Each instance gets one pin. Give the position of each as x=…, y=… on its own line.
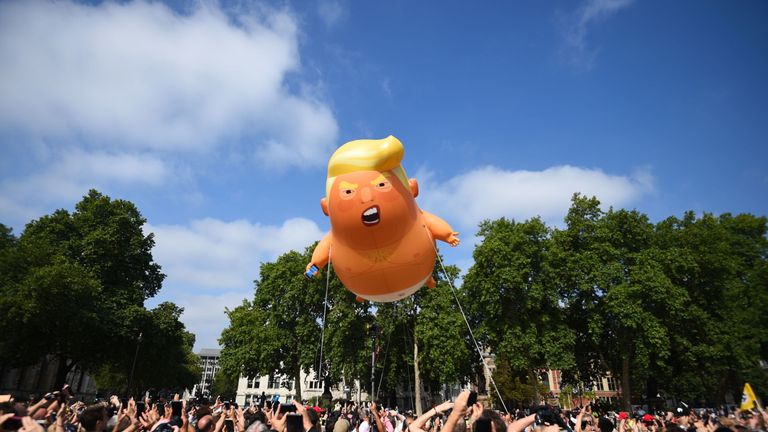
x=381, y=244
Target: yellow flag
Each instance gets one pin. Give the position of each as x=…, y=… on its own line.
x=748, y=399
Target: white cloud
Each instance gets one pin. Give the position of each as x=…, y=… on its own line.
x=204, y=314
x=576, y=26
x=491, y=193
x=137, y=75
x=210, y=253
x=211, y=264
x=68, y=175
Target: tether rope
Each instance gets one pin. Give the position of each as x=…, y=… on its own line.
x=386, y=354
x=325, y=309
x=461, y=309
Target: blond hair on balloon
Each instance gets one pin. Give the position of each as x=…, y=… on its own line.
x=367, y=155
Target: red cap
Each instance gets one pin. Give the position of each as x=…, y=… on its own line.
x=647, y=418
x=623, y=415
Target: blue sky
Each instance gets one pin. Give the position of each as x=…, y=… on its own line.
x=217, y=118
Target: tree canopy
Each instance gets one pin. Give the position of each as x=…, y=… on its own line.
x=74, y=287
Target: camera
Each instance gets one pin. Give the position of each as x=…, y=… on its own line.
x=472, y=398
x=176, y=408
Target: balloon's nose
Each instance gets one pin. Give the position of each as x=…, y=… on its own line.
x=366, y=195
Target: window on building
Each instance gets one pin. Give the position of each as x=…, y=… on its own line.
x=250, y=383
x=313, y=385
x=274, y=381
x=611, y=383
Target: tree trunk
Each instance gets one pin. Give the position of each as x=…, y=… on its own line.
x=535, y=383
x=42, y=373
x=297, y=380
x=416, y=377
x=62, y=370
x=626, y=398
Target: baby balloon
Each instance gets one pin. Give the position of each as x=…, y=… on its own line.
x=381, y=244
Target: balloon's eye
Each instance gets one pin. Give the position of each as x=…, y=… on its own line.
x=347, y=192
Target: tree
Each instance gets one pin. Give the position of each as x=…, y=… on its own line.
x=429, y=325
x=514, y=307
x=616, y=293
x=279, y=331
x=721, y=264
x=75, y=288
x=224, y=386
x=165, y=357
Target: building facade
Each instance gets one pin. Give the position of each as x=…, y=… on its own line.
x=283, y=389
x=39, y=379
x=606, y=389
x=209, y=364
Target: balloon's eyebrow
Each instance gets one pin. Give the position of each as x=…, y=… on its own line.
x=379, y=179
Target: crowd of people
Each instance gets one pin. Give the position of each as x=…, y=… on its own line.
x=59, y=412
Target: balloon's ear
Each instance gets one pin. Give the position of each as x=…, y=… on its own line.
x=414, y=187
x=324, y=206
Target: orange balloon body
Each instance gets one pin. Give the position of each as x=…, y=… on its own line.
x=381, y=245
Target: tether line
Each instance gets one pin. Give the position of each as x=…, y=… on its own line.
x=461, y=309
x=325, y=309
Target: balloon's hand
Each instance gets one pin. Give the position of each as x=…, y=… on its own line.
x=453, y=239
x=310, y=271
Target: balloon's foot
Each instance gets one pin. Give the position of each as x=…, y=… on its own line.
x=431, y=282
x=359, y=299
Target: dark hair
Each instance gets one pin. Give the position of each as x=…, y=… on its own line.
x=91, y=415
x=494, y=417
x=314, y=418
x=330, y=422
x=260, y=416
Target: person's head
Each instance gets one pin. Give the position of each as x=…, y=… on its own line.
x=204, y=423
x=497, y=423
x=341, y=425
x=368, y=192
x=94, y=418
x=588, y=423
x=605, y=424
x=314, y=417
x=260, y=416
x=682, y=414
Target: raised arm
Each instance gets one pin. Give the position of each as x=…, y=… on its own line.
x=321, y=253
x=440, y=229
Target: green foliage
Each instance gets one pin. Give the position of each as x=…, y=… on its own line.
x=674, y=307
x=224, y=386
x=432, y=319
x=515, y=386
x=446, y=352
x=279, y=331
x=513, y=305
x=74, y=286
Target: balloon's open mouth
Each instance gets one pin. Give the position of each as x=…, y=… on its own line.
x=371, y=216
